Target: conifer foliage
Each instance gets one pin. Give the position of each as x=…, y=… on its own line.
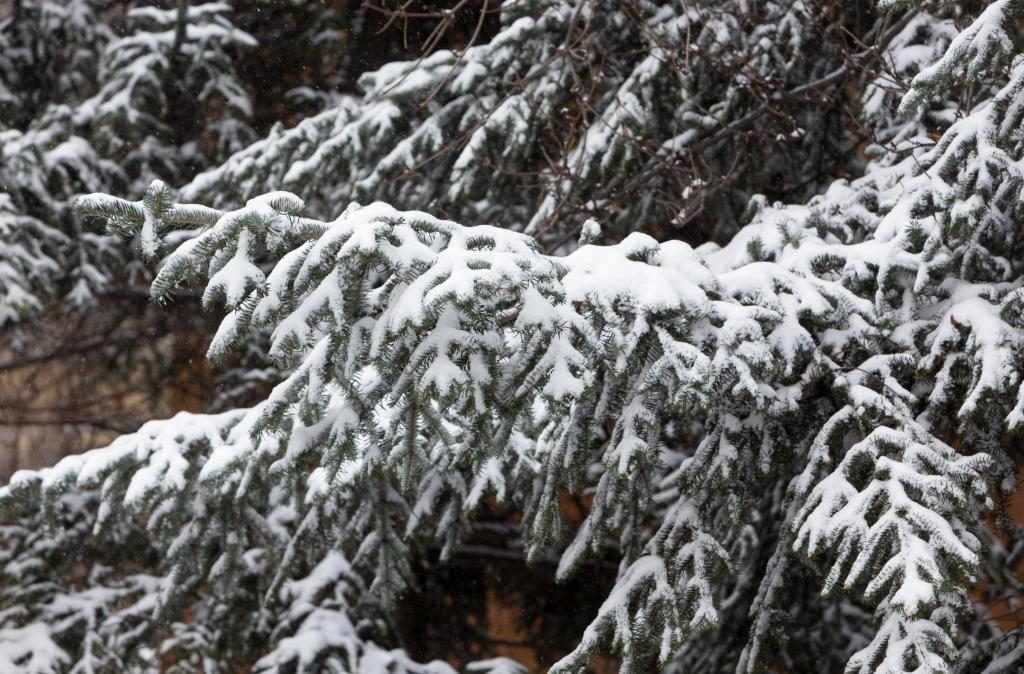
x=82, y=110
x=635, y=113
x=792, y=444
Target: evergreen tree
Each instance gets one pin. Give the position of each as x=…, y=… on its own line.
x=823, y=399
x=173, y=60
x=642, y=115
x=50, y=55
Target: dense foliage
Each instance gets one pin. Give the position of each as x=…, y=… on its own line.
x=793, y=439
x=107, y=95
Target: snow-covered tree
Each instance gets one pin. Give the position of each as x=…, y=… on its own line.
x=69, y=292
x=640, y=114
x=172, y=73
x=49, y=58
x=82, y=111
x=27, y=264
x=791, y=444
x=49, y=53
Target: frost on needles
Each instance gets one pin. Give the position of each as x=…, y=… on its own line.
x=822, y=400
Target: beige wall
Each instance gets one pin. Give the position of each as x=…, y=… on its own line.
x=57, y=398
